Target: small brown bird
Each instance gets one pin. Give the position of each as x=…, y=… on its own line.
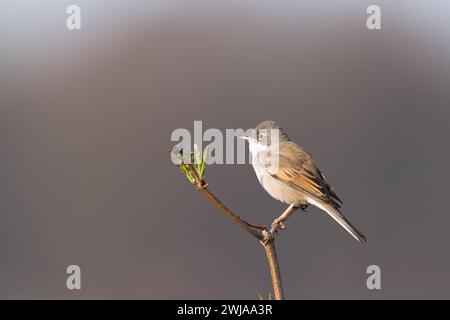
x=295, y=179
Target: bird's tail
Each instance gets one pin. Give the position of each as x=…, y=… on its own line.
x=339, y=217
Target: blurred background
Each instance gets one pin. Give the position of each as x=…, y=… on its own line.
x=85, y=124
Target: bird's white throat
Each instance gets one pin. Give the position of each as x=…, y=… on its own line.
x=256, y=147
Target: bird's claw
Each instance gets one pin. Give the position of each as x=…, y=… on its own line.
x=304, y=207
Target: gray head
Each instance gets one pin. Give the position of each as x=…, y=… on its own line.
x=264, y=131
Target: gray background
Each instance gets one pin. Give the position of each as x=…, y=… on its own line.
x=85, y=124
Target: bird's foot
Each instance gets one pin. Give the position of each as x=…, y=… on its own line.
x=277, y=225
x=304, y=207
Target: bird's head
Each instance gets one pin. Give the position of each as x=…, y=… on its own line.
x=265, y=133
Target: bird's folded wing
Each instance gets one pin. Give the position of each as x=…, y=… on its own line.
x=297, y=169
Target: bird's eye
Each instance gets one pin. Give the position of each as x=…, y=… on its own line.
x=262, y=135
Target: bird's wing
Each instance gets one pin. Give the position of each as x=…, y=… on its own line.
x=297, y=169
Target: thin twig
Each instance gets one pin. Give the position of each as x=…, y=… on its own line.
x=271, y=253
x=265, y=236
x=230, y=215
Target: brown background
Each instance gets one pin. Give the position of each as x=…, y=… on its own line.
x=86, y=118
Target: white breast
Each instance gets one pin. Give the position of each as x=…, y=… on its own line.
x=274, y=187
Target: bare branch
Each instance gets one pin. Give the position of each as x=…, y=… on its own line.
x=231, y=216
x=271, y=253
x=265, y=236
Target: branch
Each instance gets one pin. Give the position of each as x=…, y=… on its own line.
x=265, y=237
x=271, y=253
x=194, y=173
x=250, y=228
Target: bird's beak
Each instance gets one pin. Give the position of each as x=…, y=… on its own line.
x=244, y=138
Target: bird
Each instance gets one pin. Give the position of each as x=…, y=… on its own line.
x=292, y=176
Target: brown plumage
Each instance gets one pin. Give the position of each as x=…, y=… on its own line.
x=297, y=169
x=295, y=178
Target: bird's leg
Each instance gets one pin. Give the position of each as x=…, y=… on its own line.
x=278, y=223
